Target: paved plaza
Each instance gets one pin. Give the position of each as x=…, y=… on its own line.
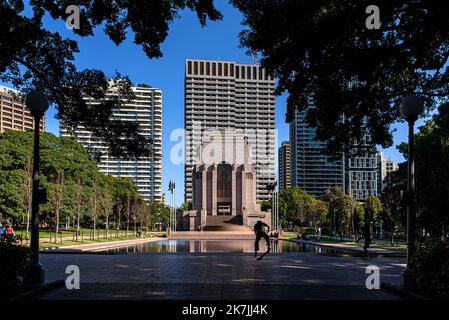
x=220, y=276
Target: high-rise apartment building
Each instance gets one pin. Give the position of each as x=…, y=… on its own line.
x=361, y=176
x=284, y=164
x=145, y=110
x=384, y=167
x=14, y=115
x=315, y=172
x=312, y=170
x=230, y=97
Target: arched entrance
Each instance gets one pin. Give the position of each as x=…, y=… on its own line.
x=224, y=189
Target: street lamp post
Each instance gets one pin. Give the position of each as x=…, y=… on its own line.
x=37, y=102
x=410, y=108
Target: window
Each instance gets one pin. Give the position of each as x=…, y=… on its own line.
x=202, y=68
x=189, y=67
x=260, y=73
x=214, y=72
x=231, y=69
x=243, y=72
x=255, y=73
x=219, y=69
x=208, y=68
x=237, y=72
x=195, y=67
x=248, y=72
x=225, y=69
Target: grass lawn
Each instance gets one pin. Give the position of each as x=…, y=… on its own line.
x=324, y=239
x=44, y=244
x=46, y=235
x=289, y=235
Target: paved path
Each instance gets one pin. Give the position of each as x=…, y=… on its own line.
x=220, y=276
x=349, y=247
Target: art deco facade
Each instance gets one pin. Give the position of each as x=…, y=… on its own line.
x=146, y=110
x=226, y=188
x=226, y=95
x=284, y=163
x=14, y=115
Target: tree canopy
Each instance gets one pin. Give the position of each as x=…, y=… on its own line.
x=432, y=172
x=33, y=57
x=77, y=191
x=322, y=50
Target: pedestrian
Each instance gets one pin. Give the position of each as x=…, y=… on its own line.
x=319, y=234
x=366, y=236
x=9, y=233
x=259, y=230
x=2, y=231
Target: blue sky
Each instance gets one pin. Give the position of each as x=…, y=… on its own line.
x=186, y=39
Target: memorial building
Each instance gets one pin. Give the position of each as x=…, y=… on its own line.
x=224, y=183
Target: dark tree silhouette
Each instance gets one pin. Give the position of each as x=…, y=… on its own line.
x=323, y=50
x=33, y=57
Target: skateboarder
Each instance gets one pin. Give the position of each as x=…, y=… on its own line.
x=259, y=230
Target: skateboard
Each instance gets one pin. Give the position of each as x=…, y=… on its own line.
x=263, y=255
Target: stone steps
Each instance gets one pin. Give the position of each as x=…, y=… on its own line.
x=225, y=223
x=213, y=235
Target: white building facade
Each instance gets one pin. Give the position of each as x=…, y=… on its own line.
x=145, y=110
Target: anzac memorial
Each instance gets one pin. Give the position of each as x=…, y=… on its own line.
x=224, y=185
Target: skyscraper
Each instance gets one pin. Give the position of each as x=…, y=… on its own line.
x=315, y=172
x=312, y=170
x=226, y=96
x=284, y=163
x=14, y=115
x=384, y=167
x=361, y=175
x=146, y=110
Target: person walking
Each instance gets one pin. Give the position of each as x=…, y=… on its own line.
x=9, y=233
x=259, y=230
x=367, y=237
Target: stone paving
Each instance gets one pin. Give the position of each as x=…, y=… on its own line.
x=220, y=276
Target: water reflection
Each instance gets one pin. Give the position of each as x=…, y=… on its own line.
x=204, y=246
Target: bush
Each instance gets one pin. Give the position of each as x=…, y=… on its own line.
x=432, y=268
x=14, y=262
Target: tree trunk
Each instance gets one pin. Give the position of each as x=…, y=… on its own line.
x=28, y=225
x=107, y=226
x=27, y=193
x=128, y=209
x=78, y=207
x=353, y=226
x=392, y=235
